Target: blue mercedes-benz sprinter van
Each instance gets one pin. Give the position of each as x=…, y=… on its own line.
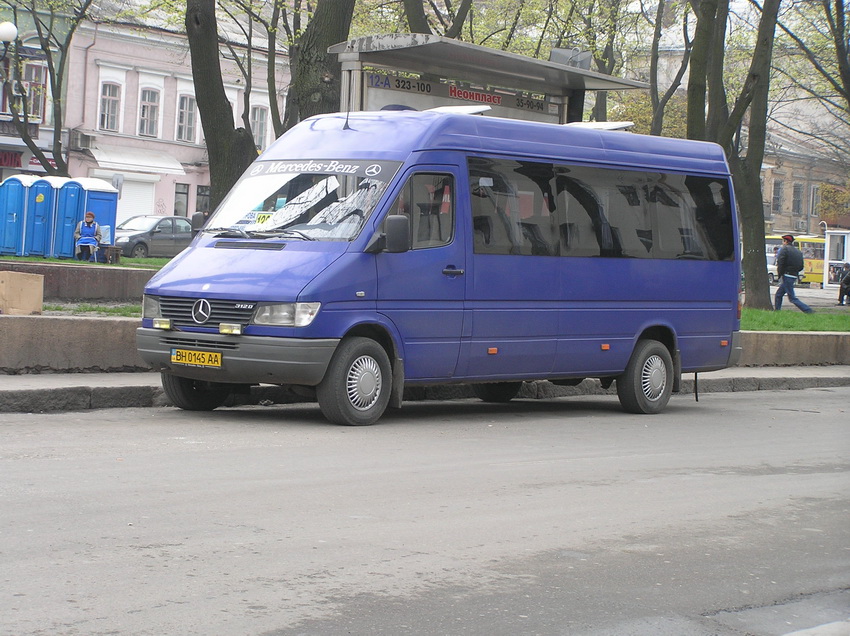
x=369, y=251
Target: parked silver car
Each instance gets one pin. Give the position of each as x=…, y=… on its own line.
x=153, y=235
x=772, y=275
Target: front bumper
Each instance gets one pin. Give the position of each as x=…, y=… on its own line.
x=244, y=359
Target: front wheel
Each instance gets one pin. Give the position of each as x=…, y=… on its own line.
x=356, y=388
x=647, y=383
x=499, y=392
x=140, y=250
x=194, y=395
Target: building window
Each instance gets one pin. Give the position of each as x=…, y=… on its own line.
x=35, y=81
x=259, y=117
x=814, y=201
x=202, y=200
x=776, y=204
x=110, y=104
x=181, y=199
x=797, y=200
x=148, y=113
x=186, y=119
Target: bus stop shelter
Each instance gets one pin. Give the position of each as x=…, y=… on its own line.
x=426, y=71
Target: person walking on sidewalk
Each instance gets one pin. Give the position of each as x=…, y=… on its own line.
x=789, y=264
x=844, y=284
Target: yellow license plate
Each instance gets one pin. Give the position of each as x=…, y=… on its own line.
x=196, y=358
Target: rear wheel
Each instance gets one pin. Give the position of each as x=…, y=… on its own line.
x=194, y=395
x=647, y=383
x=356, y=388
x=497, y=391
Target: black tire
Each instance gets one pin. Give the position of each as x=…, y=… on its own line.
x=356, y=388
x=194, y=395
x=140, y=250
x=771, y=279
x=647, y=383
x=497, y=392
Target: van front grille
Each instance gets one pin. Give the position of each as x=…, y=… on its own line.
x=179, y=310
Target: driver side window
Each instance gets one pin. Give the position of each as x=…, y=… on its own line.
x=428, y=200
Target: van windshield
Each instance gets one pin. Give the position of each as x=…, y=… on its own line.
x=311, y=200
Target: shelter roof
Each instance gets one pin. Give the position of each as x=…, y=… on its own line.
x=453, y=59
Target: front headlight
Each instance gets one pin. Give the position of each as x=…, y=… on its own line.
x=122, y=239
x=150, y=307
x=286, y=314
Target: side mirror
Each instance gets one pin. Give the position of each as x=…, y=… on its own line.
x=397, y=233
x=198, y=220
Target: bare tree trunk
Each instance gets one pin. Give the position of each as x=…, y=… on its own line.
x=706, y=11
x=231, y=150
x=747, y=171
x=723, y=126
x=751, y=212
x=271, y=72
x=316, y=77
x=417, y=22
x=718, y=105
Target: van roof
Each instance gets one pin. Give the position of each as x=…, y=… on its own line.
x=394, y=135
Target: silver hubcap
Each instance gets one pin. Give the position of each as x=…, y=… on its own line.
x=363, y=384
x=653, y=378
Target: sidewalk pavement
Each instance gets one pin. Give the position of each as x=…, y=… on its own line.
x=815, y=298
x=52, y=392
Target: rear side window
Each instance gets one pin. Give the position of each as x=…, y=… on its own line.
x=428, y=201
x=547, y=209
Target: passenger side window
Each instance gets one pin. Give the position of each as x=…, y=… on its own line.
x=512, y=207
x=428, y=200
x=542, y=209
x=164, y=226
x=182, y=226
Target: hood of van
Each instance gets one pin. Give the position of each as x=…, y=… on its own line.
x=240, y=272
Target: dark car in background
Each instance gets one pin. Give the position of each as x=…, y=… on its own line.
x=153, y=235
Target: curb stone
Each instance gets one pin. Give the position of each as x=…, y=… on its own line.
x=83, y=398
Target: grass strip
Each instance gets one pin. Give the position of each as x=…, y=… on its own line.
x=837, y=319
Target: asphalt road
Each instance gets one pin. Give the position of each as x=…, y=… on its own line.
x=727, y=516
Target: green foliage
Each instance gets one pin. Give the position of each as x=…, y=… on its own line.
x=635, y=106
x=373, y=17
x=527, y=27
x=834, y=202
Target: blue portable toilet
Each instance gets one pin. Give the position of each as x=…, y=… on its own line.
x=40, y=214
x=76, y=197
x=13, y=206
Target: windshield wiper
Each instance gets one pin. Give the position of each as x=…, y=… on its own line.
x=229, y=232
x=286, y=233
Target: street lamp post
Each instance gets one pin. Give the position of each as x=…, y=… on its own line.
x=8, y=33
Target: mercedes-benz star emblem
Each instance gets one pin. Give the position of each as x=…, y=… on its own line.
x=373, y=170
x=201, y=311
